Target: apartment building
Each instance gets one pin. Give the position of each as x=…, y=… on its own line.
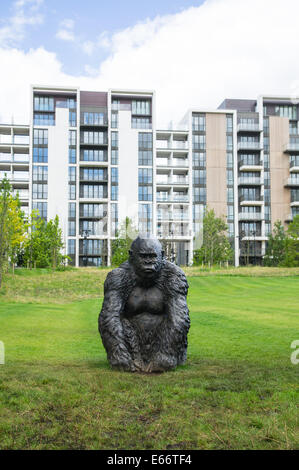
x=95, y=158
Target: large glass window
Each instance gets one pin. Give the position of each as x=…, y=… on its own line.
x=39, y=191
x=43, y=103
x=40, y=173
x=142, y=107
x=145, y=193
x=42, y=208
x=198, y=122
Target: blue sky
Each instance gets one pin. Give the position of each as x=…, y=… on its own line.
x=193, y=53
x=88, y=20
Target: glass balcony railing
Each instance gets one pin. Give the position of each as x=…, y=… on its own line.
x=5, y=157
x=21, y=157
x=250, y=216
x=249, y=146
x=293, y=180
x=250, y=126
x=249, y=181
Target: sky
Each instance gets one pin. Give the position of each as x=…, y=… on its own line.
x=193, y=53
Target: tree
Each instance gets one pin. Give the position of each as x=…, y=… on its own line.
x=292, y=244
x=215, y=247
x=12, y=226
x=276, y=247
x=44, y=243
x=121, y=246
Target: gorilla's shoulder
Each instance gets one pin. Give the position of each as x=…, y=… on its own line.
x=174, y=278
x=118, y=278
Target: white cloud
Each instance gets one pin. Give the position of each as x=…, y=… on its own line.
x=25, y=13
x=66, y=30
x=65, y=35
x=198, y=57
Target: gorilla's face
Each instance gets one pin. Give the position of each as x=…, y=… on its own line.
x=147, y=259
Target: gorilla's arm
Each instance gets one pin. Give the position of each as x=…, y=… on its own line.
x=110, y=325
x=178, y=312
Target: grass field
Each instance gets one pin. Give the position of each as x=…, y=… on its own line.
x=238, y=389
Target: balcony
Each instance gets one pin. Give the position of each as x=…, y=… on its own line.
x=21, y=158
x=251, y=201
x=20, y=176
x=291, y=147
x=250, y=216
x=256, y=165
x=294, y=167
x=172, y=181
x=176, y=217
x=249, y=146
x=292, y=182
x=248, y=127
x=5, y=157
x=174, y=197
x=176, y=162
x=22, y=193
x=250, y=181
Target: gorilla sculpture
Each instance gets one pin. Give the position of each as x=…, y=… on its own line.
x=144, y=320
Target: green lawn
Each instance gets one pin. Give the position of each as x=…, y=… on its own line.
x=238, y=389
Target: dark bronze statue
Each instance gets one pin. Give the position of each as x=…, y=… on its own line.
x=144, y=320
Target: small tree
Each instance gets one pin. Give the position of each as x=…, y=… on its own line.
x=12, y=226
x=121, y=246
x=215, y=247
x=276, y=247
x=292, y=244
x=44, y=242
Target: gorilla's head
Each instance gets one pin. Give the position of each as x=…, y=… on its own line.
x=146, y=257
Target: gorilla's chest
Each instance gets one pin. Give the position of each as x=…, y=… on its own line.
x=145, y=300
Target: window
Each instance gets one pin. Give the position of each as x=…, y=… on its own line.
x=230, y=177
x=73, y=138
x=229, y=160
x=145, y=145
x=72, y=118
x=145, y=175
x=141, y=123
x=114, y=157
x=114, y=119
x=198, y=122
x=229, y=123
x=229, y=142
x=142, y=107
x=145, y=140
x=93, y=191
x=72, y=228
x=286, y=111
x=230, y=195
x=93, y=137
x=94, y=119
x=114, y=139
x=44, y=119
x=72, y=210
x=230, y=212
x=72, y=173
x=93, y=174
x=39, y=191
x=145, y=218
x=114, y=219
x=42, y=208
x=199, y=141
x=114, y=175
x=145, y=193
x=43, y=103
x=72, y=155
x=199, y=195
x=72, y=191
x=40, y=173
x=199, y=177
x=199, y=159
x=40, y=137
x=94, y=155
